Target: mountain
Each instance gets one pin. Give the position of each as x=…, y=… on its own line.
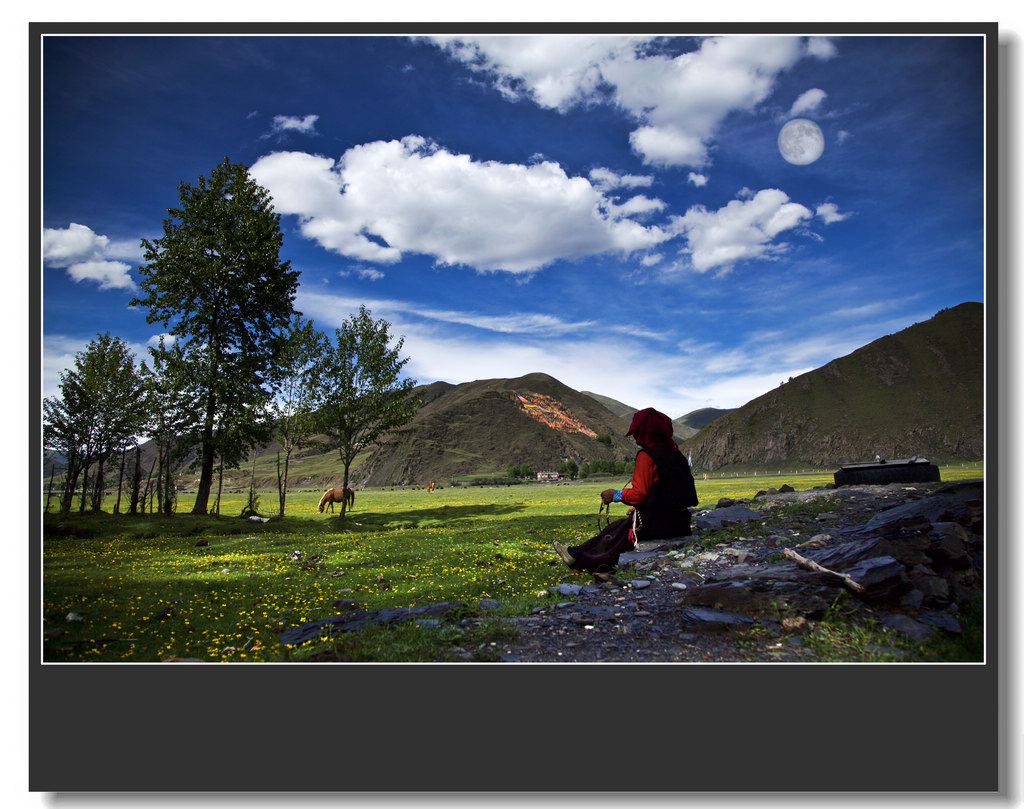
x=482, y=427
x=917, y=392
x=688, y=425
x=621, y=410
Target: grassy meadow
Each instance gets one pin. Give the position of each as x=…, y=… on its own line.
x=221, y=589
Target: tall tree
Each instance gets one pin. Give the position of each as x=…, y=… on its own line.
x=356, y=388
x=215, y=279
x=175, y=408
x=290, y=408
x=100, y=409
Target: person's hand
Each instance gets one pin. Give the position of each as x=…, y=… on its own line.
x=607, y=495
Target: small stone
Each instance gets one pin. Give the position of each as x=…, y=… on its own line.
x=640, y=584
x=908, y=626
x=942, y=620
x=817, y=541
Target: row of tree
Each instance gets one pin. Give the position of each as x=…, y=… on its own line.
x=607, y=467
x=238, y=363
x=570, y=469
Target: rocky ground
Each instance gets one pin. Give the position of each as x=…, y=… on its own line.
x=904, y=555
x=767, y=579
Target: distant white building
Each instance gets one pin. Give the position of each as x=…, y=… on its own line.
x=548, y=476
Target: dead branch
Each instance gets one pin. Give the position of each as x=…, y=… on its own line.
x=808, y=564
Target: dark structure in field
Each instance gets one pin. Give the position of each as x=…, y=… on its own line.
x=881, y=471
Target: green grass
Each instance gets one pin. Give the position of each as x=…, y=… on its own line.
x=146, y=590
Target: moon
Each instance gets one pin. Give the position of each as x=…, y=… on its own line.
x=801, y=141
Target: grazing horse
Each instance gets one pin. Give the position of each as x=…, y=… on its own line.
x=345, y=496
x=430, y=486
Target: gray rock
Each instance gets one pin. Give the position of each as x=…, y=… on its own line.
x=358, y=619
x=908, y=626
x=882, y=577
x=802, y=597
x=942, y=620
x=568, y=589
x=949, y=543
x=930, y=509
x=712, y=618
x=489, y=604
x=640, y=584
x=722, y=517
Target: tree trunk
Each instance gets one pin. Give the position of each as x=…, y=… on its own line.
x=220, y=484
x=344, y=485
x=97, y=484
x=120, y=481
x=148, y=494
x=208, y=450
x=282, y=479
x=49, y=491
x=85, y=487
x=161, y=455
x=70, y=479
x=133, y=505
x=169, y=498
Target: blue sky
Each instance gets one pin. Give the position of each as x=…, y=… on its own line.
x=611, y=210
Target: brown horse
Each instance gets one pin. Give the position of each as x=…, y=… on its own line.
x=345, y=496
x=430, y=486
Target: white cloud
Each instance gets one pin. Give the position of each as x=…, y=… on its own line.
x=645, y=375
x=807, y=102
x=331, y=310
x=88, y=256
x=383, y=199
x=743, y=229
x=107, y=274
x=696, y=179
x=678, y=102
x=821, y=48
x=555, y=71
x=605, y=180
x=366, y=273
x=293, y=123
x=829, y=213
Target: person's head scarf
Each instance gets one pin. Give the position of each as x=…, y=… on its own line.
x=650, y=428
